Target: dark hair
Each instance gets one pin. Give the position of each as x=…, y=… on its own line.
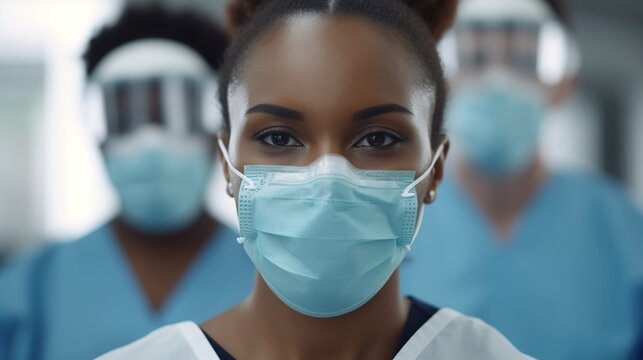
x=559, y=10
x=149, y=22
x=420, y=23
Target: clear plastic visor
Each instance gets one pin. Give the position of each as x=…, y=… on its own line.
x=180, y=105
x=541, y=52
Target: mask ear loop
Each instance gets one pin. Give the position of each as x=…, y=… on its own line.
x=224, y=151
x=407, y=191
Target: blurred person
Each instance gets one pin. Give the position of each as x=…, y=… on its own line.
x=152, y=81
x=553, y=259
x=333, y=123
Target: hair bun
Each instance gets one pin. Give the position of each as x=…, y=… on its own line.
x=438, y=14
x=239, y=13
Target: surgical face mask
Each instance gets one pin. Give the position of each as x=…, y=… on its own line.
x=160, y=179
x=497, y=123
x=326, y=237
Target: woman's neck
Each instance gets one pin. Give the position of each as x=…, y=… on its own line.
x=278, y=332
x=502, y=199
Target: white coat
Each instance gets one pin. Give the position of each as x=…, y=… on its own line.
x=446, y=335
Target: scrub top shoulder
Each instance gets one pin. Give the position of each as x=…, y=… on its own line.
x=568, y=283
x=79, y=299
x=446, y=334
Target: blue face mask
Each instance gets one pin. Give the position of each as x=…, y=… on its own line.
x=160, y=181
x=498, y=125
x=326, y=237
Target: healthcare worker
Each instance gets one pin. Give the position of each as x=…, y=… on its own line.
x=162, y=259
x=553, y=259
x=332, y=141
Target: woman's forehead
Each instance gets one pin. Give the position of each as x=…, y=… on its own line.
x=323, y=59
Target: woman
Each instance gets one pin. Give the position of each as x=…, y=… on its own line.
x=333, y=118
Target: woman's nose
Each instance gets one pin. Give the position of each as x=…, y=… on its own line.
x=326, y=145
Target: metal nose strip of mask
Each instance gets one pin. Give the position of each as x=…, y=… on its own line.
x=406, y=193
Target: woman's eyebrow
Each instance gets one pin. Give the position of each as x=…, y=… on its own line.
x=276, y=110
x=380, y=110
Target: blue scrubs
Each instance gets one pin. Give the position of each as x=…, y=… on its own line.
x=80, y=300
x=567, y=285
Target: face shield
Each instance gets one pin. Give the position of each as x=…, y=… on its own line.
x=521, y=38
x=180, y=105
x=152, y=83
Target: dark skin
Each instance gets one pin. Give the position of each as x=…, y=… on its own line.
x=316, y=86
x=159, y=261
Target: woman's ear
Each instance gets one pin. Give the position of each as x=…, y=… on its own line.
x=224, y=136
x=438, y=171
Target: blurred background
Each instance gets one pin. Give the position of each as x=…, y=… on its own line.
x=53, y=188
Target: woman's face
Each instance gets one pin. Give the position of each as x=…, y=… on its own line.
x=318, y=85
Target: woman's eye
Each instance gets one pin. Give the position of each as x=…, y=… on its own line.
x=378, y=139
x=278, y=138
